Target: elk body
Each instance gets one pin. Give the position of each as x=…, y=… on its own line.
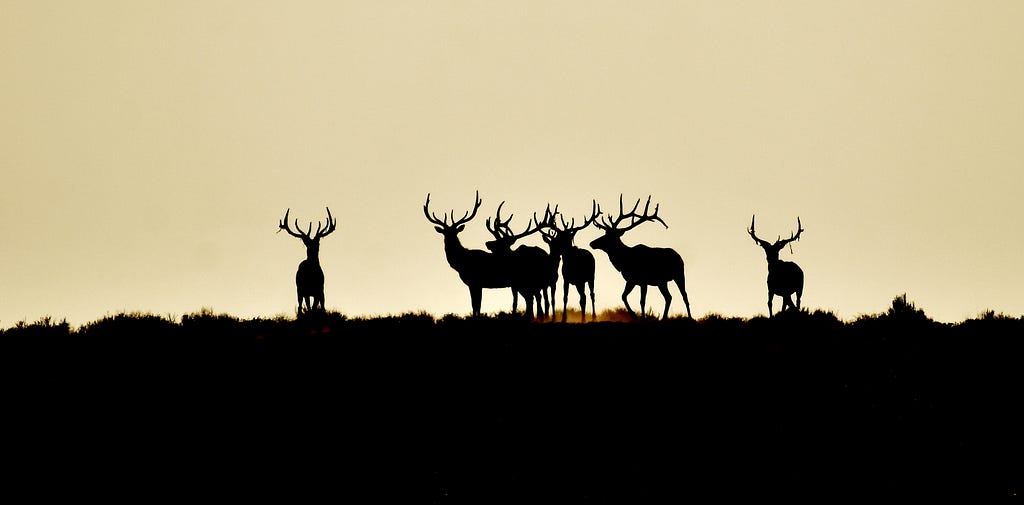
x=785, y=278
x=641, y=265
x=477, y=269
x=578, y=264
x=309, y=279
x=528, y=266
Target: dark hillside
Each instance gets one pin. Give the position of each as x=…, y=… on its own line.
x=410, y=409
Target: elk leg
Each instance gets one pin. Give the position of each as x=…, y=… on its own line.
x=581, y=289
x=681, y=283
x=668, y=298
x=565, y=299
x=769, y=304
x=643, y=300
x=547, y=302
x=593, y=305
x=475, y=295
x=625, y=299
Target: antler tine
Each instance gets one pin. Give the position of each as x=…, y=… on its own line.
x=328, y=228
x=431, y=216
x=623, y=215
x=754, y=235
x=283, y=225
x=500, y=229
x=503, y=224
x=476, y=205
x=606, y=221
x=467, y=216
x=595, y=209
x=548, y=221
x=796, y=235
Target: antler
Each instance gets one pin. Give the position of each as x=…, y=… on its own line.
x=502, y=230
x=778, y=242
x=455, y=223
x=753, y=236
x=321, y=231
x=548, y=221
x=634, y=218
x=792, y=236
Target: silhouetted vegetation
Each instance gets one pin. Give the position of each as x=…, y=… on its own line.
x=413, y=408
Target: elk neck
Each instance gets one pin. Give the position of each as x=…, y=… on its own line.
x=771, y=253
x=615, y=248
x=454, y=251
x=313, y=251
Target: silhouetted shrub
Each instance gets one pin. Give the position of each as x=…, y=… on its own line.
x=135, y=325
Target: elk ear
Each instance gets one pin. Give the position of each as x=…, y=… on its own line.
x=547, y=238
x=439, y=229
x=460, y=228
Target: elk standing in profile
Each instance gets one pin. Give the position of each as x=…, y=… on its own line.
x=785, y=278
x=525, y=265
x=309, y=279
x=578, y=264
x=641, y=265
x=477, y=269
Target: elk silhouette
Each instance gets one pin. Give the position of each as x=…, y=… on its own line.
x=525, y=264
x=785, y=278
x=309, y=279
x=578, y=264
x=641, y=265
x=477, y=269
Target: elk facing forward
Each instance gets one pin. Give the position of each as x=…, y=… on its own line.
x=578, y=264
x=785, y=278
x=641, y=265
x=309, y=279
x=477, y=269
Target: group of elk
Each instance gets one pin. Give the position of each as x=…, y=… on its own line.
x=529, y=271
x=532, y=273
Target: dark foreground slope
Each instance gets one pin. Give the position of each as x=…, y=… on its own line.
x=499, y=410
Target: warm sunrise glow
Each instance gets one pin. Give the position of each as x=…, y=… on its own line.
x=151, y=148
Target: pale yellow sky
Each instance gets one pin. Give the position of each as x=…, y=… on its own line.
x=150, y=148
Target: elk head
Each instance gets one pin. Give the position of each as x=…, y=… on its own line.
x=771, y=250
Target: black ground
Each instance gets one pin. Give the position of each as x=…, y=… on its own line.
x=499, y=410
